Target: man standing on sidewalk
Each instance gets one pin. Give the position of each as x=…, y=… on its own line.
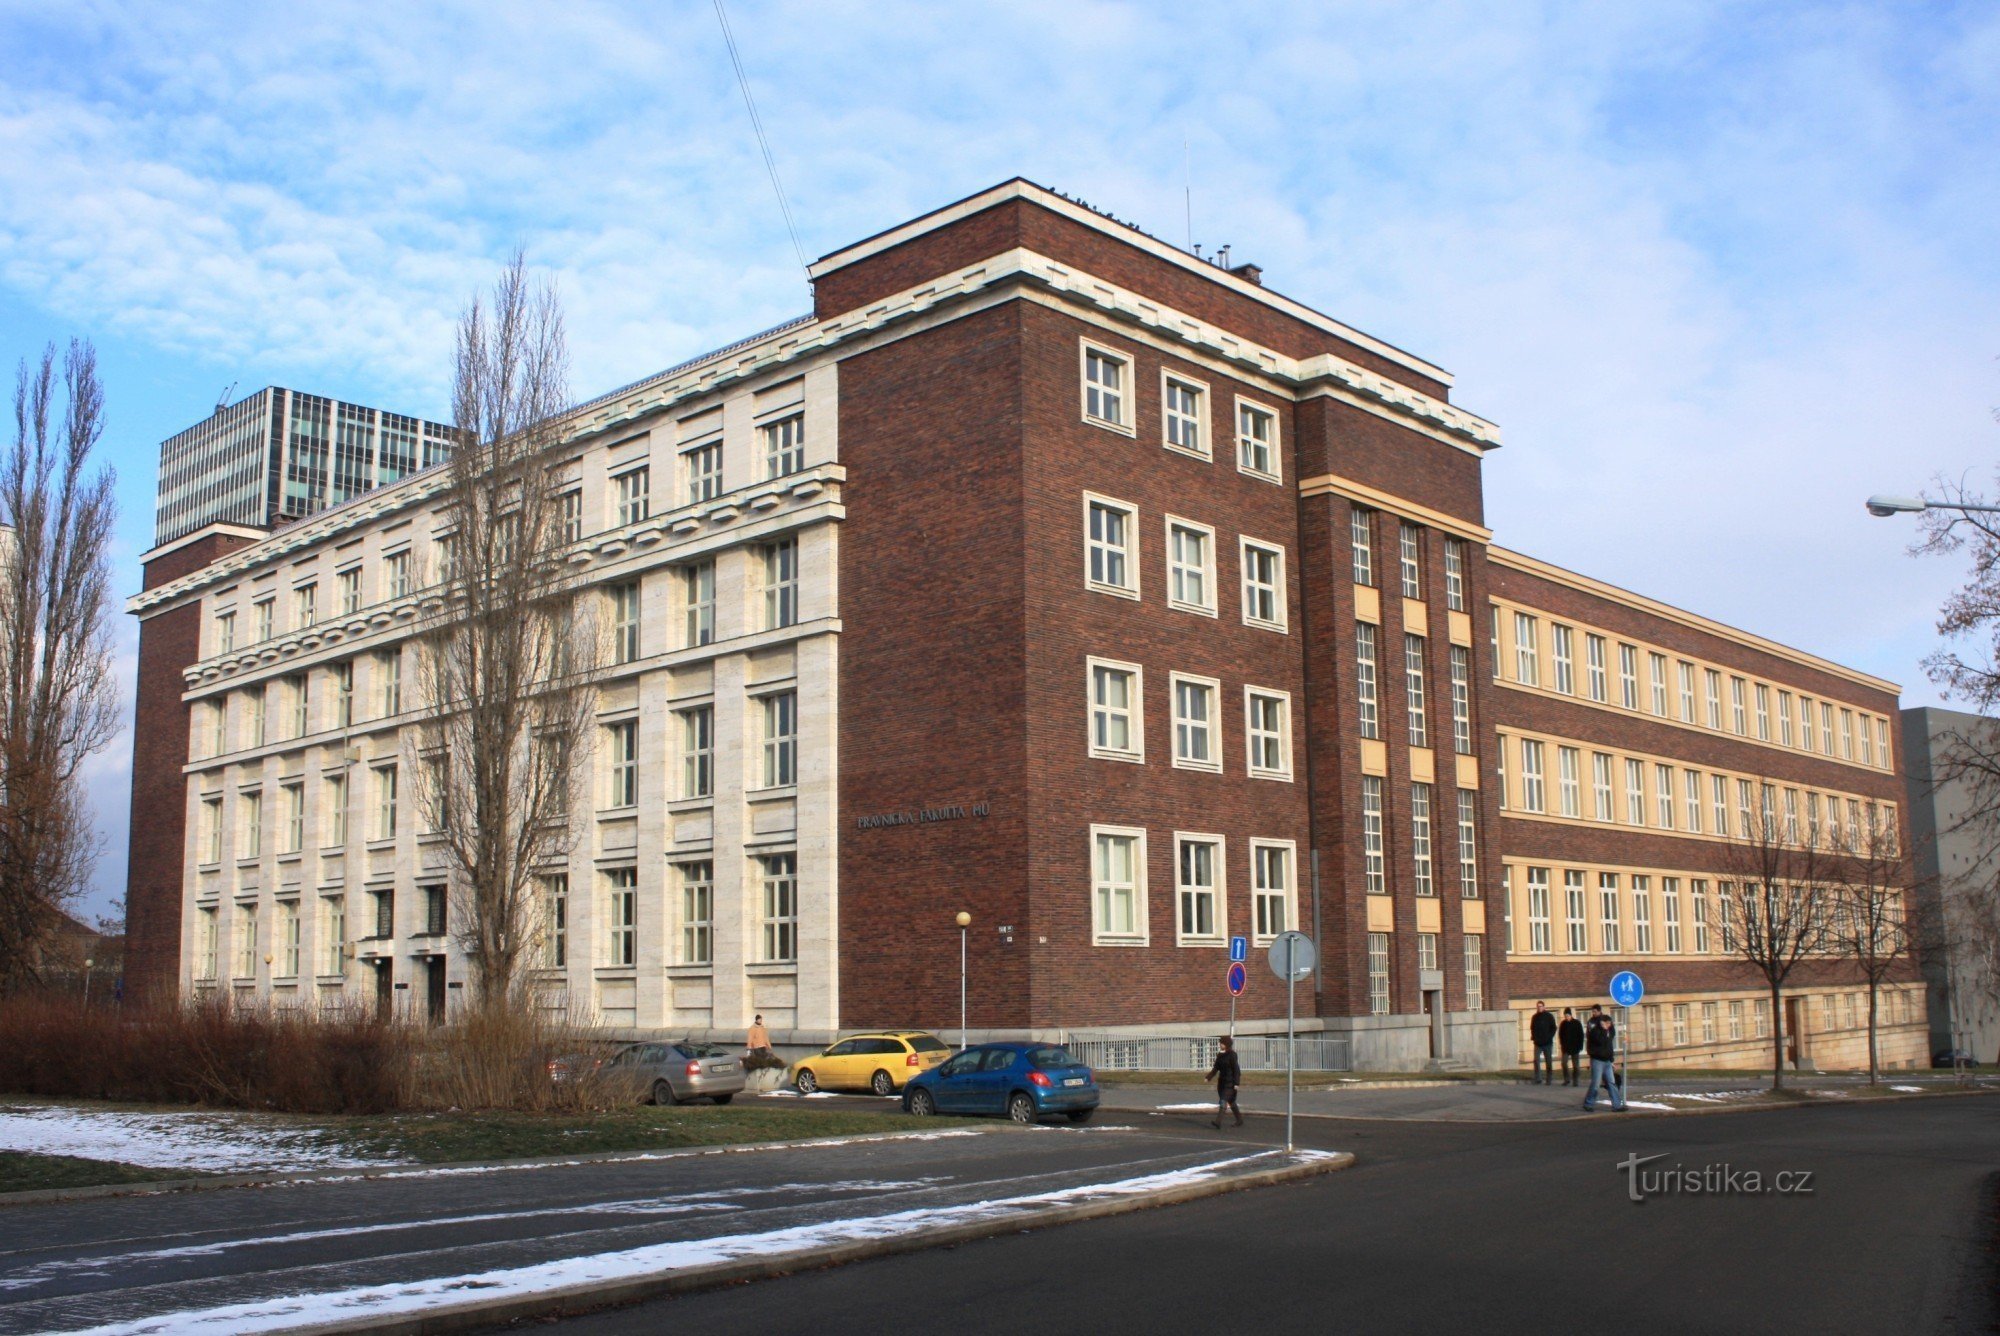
x=1570, y=1035
x=1601, y=1042
x=1228, y=1074
x=1542, y=1034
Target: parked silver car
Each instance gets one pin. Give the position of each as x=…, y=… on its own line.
x=677, y=1073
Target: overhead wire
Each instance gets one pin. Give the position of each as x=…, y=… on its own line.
x=763, y=140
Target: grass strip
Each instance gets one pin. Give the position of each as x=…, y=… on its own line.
x=25, y=1171
x=444, y=1138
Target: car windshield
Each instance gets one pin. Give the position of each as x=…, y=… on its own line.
x=928, y=1043
x=1051, y=1056
x=689, y=1049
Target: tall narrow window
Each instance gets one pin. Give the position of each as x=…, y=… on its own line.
x=634, y=493
x=1642, y=915
x=1366, y=708
x=1846, y=734
x=1656, y=665
x=1118, y=862
x=294, y=797
x=781, y=584
x=1670, y=911
x=621, y=916
x=1663, y=795
x=697, y=944
x=1181, y=403
x=702, y=467
x=333, y=935
x=1263, y=585
x=1784, y=718
x=622, y=741
x=1569, y=782
x=1267, y=729
x=225, y=632
x=389, y=671
x=1427, y=952
x=1698, y=891
x=1712, y=692
x=1628, y=676
x=1413, y=682
x=1691, y=792
x=1378, y=973
x=1737, y=722
x=1575, y=923
x=1527, y=653
x=1461, y=700
x=555, y=912
x=625, y=622
x=1608, y=914
x=385, y=802
x=781, y=739
x=1420, y=838
x=1104, y=387
x=349, y=582
x=1374, y=875
x=343, y=693
x=1562, y=653
x=1197, y=890
x=1593, y=653
x=698, y=589
x=1635, y=792
x=1475, y=987
x=1718, y=789
x=1410, y=551
x=399, y=574
x=264, y=618
x=1361, y=533
x=253, y=825
x=1685, y=671
x=1110, y=547
x=1532, y=796
x=784, y=445
x=1114, y=712
x=1454, y=574
x=305, y=605
x=1540, y=934
x=1256, y=441
x=698, y=752
x=1190, y=567
x=1271, y=889
x=1468, y=844
x=258, y=735
x=299, y=688
x=1194, y=724
x=1763, y=713
x=569, y=517
x=1826, y=727
x=246, y=941
x=1601, y=806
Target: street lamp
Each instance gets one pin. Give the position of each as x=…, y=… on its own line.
x=87, y=963
x=964, y=922
x=1882, y=507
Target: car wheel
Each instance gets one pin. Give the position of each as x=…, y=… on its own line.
x=1080, y=1115
x=882, y=1084
x=724, y=1099
x=921, y=1103
x=663, y=1094
x=805, y=1082
x=1021, y=1108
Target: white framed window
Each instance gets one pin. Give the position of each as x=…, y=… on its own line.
x=389, y=674
x=1712, y=695
x=1184, y=405
x=246, y=942
x=1826, y=727
x=555, y=920
x=1413, y=685
x=225, y=632
x=698, y=595
x=779, y=920
x=1117, y=886
x=1263, y=584
x=1468, y=844
x=1735, y=1019
x=305, y=605
x=1198, y=889
x=781, y=584
x=1533, y=798
x=1663, y=795
x=1718, y=788
x=1846, y=734
x=1656, y=667
x=1576, y=925
x=333, y=934
x=1737, y=722
x=1111, y=546
x=781, y=739
x=1454, y=574
x=1642, y=915
x=253, y=825
x=293, y=797
x=210, y=828
x=622, y=773
x=1785, y=718
x=398, y=565
x=349, y=583
x=1527, y=652
x=1539, y=923
x=264, y=617
x=1569, y=783
x=1378, y=973
x=288, y=940
x=256, y=720
x=1107, y=377
x=1367, y=709
x=1698, y=893
x=1593, y=657
x=1197, y=742
x=1190, y=566
x=697, y=751
x=385, y=802
x=621, y=916
x=1609, y=917
x=343, y=693
x=1685, y=672
x=569, y=517
x=1670, y=911
x=1708, y=1010
x=633, y=493
x=1475, y=985
x=1461, y=700
x=334, y=791
x=701, y=470
x=208, y=946
x=1691, y=795
x=1117, y=710
x=1271, y=880
x=1267, y=730
x=1410, y=558
x=1680, y=1016
x=624, y=621
x=697, y=935
x=1601, y=805
x=1374, y=875
x=1257, y=441
x=1763, y=713
x=1361, y=533
x=1502, y=795
x=1628, y=676
x=1743, y=809
x=1635, y=792
x=299, y=688
x=1420, y=839
x=1562, y=654
x=784, y=445
x=1427, y=952
x=1882, y=744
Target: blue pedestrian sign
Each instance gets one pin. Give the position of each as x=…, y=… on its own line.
x=1627, y=988
x=1239, y=949
x=1237, y=978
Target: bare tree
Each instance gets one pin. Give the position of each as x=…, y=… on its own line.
x=505, y=652
x=1955, y=523
x=57, y=705
x=1774, y=915
x=1871, y=902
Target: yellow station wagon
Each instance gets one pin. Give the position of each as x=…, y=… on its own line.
x=878, y=1062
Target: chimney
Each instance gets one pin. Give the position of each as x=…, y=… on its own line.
x=1249, y=273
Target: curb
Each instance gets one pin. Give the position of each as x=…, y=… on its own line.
x=577, y=1299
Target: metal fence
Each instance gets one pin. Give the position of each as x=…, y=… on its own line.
x=1181, y=1053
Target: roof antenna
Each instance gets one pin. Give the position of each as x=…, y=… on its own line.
x=757, y=124
x=222, y=400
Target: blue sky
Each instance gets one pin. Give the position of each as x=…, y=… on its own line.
x=1718, y=270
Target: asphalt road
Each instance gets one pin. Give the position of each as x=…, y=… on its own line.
x=1496, y=1227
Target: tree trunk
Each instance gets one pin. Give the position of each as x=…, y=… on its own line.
x=1874, y=1057
x=1777, y=1039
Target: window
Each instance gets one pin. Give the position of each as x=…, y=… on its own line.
x=1115, y=732
x=1413, y=682
x=1575, y=922
x=205, y=961
x=256, y=718
x=1263, y=585
x=293, y=798
x=398, y=564
x=1600, y=787
x=253, y=826
x=1527, y=663
x=1663, y=794
x=1737, y=723
x=1420, y=838
x=697, y=941
x=246, y=941
x=1735, y=1019
x=1256, y=441
x=1686, y=673
x=1743, y=809
x=701, y=467
x=621, y=916
x=1427, y=952
x=1670, y=910
x=211, y=830
x=1454, y=574
x=1698, y=895
x=1267, y=729
x=1111, y=547
x=698, y=587
x=1271, y=889
x=1882, y=743
x=1198, y=888
x=349, y=583
x=1628, y=676
x=1538, y=911
x=218, y=728
x=299, y=690
x=1410, y=549
x=434, y=911
x=1373, y=874
x=1593, y=656
x=1118, y=867
x=625, y=621
x=1194, y=723
x=1378, y=973
x=1806, y=723
x=333, y=935
x=633, y=491
x=1461, y=700
x=1364, y=668
x=1791, y=816
x=1532, y=797
x=1784, y=718
x=1562, y=654
x=698, y=752
x=305, y=605
x=1468, y=846
x=1361, y=533
x=1680, y=1014
x=385, y=802
x=1867, y=746
x=343, y=693
x=781, y=584
x=1826, y=727
x=385, y=913
x=262, y=614
x=1635, y=792
x=1847, y=734
x=445, y=546
x=334, y=791
x=1761, y=1014
x=1642, y=915
x=781, y=739
x=1104, y=378
x=555, y=920
x=1608, y=915
x=1708, y=1022
x=225, y=632
x=1763, y=713
x=1181, y=403
x=784, y=445
x=1691, y=791
x=1656, y=665
x=622, y=748
x=1190, y=566
x=569, y=517
x=389, y=672
x=1569, y=789
x=1718, y=789
x=1475, y=989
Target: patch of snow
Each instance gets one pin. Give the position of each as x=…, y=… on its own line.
x=442, y=1293
x=1209, y=1107
x=218, y=1142
x=1647, y=1104
x=1710, y=1095
x=1908, y=1090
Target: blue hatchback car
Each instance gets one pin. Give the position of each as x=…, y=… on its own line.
x=1026, y=1082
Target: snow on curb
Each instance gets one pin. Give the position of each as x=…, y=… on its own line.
x=206, y=1142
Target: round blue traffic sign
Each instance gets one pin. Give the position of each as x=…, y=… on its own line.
x=1627, y=988
x=1237, y=978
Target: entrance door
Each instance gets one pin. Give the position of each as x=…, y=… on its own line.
x=1795, y=1024
x=385, y=991
x=434, y=989
x=1434, y=1012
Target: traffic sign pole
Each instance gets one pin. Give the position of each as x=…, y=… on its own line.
x=1626, y=990
x=1292, y=958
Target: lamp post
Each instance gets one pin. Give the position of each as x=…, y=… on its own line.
x=964, y=922
x=87, y=963
x=1884, y=506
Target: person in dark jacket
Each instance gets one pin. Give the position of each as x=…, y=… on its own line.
x=1601, y=1042
x=1542, y=1033
x=1570, y=1036
x=1227, y=1074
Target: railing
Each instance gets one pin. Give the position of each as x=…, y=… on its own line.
x=1259, y=1052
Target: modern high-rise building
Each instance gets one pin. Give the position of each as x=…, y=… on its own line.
x=1048, y=573
x=281, y=455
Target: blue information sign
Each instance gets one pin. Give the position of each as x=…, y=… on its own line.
x=1237, y=978
x=1239, y=948
x=1627, y=988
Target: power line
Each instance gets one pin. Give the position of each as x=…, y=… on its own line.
x=763, y=142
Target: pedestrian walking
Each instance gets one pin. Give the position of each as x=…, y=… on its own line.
x=1542, y=1033
x=1227, y=1074
x=1601, y=1043
x=1570, y=1036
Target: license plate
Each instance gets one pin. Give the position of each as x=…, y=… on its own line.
x=1072, y=1080
x=723, y=1067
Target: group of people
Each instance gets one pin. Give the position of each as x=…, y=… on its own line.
x=1597, y=1040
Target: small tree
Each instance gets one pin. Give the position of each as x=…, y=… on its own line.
x=1869, y=924
x=1775, y=913
x=505, y=651
x=57, y=703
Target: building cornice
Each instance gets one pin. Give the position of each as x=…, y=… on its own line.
x=1554, y=574
x=219, y=527
x=1332, y=484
